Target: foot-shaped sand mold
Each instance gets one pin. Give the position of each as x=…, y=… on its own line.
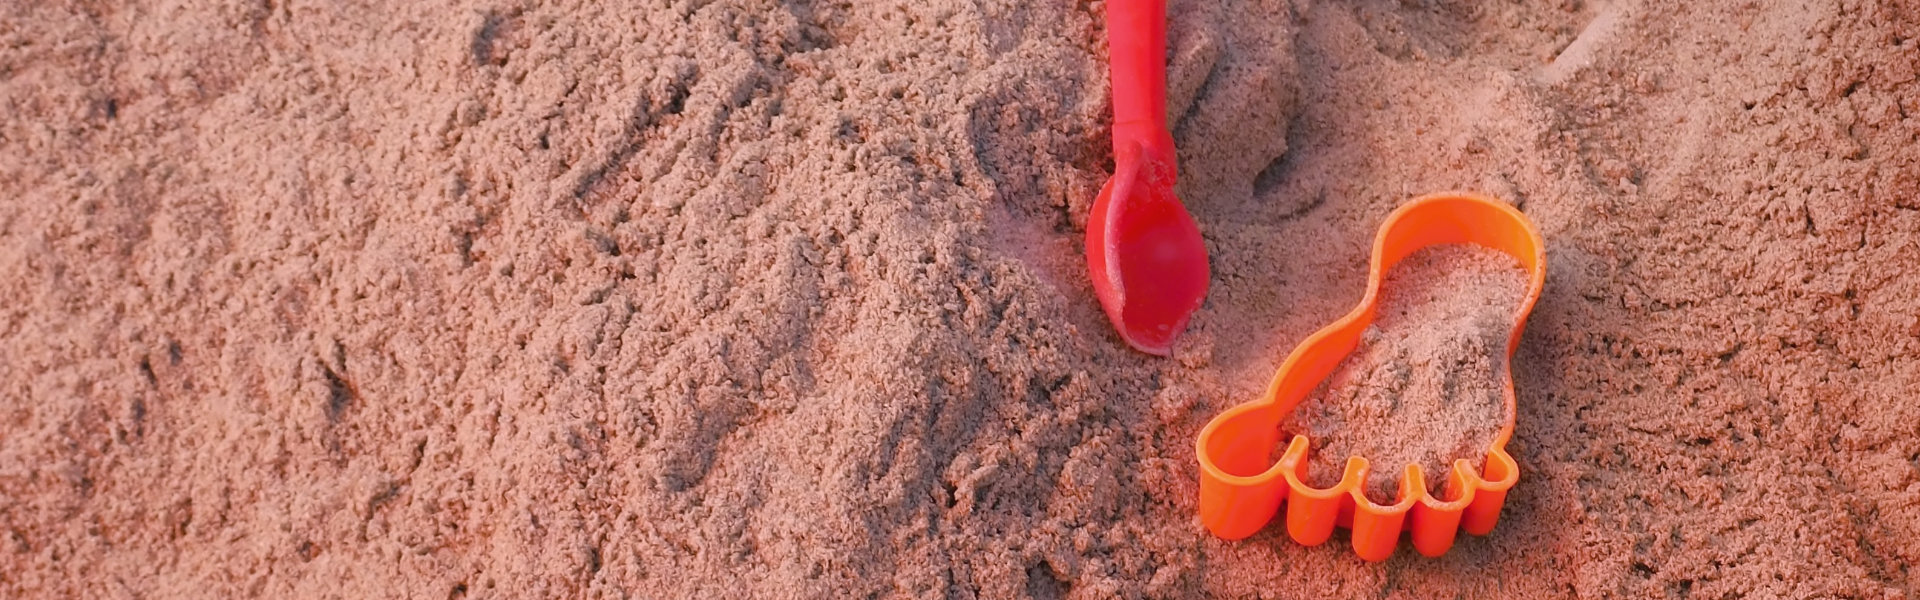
x=1241, y=489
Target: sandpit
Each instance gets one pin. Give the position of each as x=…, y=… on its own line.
x=750, y=298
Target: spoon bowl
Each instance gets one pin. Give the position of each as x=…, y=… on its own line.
x=1145, y=257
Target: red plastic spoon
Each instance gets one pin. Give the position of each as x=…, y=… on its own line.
x=1144, y=253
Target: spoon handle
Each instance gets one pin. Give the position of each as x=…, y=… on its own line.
x=1137, y=48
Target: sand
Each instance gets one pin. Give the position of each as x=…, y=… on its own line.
x=747, y=298
x=1426, y=385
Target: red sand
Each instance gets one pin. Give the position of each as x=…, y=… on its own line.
x=750, y=298
x=1425, y=385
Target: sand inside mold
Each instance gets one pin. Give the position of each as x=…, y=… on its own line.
x=1425, y=384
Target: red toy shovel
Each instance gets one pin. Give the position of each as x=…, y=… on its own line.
x=1144, y=253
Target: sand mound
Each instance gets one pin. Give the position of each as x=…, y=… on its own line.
x=757, y=298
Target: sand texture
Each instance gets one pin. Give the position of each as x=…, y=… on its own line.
x=752, y=298
x=1427, y=384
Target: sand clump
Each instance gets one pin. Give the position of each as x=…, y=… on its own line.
x=1425, y=385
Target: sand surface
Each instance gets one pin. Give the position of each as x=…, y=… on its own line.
x=750, y=298
x=1427, y=383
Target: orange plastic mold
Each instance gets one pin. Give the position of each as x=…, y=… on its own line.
x=1241, y=488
